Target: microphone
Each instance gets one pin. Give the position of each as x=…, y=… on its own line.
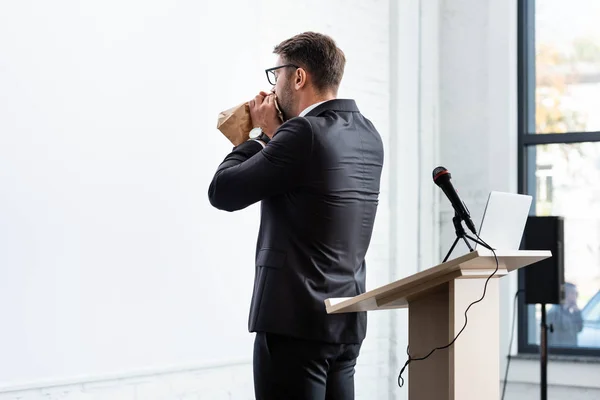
x=441, y=177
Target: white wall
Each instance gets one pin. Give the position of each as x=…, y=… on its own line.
x=111, y=259
x=117, y=278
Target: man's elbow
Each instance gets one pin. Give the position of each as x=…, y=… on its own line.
x=220, y=199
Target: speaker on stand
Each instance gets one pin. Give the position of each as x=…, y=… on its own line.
x=544, y=280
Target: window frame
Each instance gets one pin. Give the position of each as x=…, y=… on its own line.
x=527, y=137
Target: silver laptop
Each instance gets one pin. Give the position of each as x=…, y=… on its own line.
x=504, y=220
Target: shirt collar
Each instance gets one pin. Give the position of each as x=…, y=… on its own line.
x=310, y=108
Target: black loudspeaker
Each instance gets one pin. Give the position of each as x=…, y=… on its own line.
x=545, y=279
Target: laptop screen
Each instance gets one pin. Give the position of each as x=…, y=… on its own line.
x=504, y=220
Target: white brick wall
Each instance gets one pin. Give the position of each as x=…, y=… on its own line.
x=363, y=31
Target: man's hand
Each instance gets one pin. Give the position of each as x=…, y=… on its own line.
x=264, y=113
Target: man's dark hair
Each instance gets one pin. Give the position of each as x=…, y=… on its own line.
x=318, y=54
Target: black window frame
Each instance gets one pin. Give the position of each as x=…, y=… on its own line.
x=527, y=138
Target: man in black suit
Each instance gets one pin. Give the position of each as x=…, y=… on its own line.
x=317, y=176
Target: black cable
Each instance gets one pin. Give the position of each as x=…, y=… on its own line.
x=411, y=359
x=512, y=335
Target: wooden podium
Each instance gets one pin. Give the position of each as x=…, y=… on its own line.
x=436, y=300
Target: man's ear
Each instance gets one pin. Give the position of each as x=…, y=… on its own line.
x=300, y=78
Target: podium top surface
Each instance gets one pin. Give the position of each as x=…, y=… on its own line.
x=476, y=264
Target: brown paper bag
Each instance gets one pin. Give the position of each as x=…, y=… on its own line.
x=236, y=123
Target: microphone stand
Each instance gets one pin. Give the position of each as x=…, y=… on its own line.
x=461, y=234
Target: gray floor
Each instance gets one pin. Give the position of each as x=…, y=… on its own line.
x=525, y=391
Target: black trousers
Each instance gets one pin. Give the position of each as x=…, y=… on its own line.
x=286, y=368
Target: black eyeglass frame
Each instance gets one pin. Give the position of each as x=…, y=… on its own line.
x=271, y=70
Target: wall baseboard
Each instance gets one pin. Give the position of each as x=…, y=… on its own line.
x=118, y=376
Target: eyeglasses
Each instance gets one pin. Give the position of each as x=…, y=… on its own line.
x=272, y=76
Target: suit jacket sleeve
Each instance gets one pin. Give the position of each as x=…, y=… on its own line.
x=250, y=173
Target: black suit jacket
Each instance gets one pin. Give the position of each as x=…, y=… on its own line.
x=318, y=180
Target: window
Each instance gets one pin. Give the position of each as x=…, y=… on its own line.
x=559, y=159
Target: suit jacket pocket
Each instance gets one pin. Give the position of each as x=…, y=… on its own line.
x=270, y=258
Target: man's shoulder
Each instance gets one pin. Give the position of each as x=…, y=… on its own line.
x=340, y=119
x=295, y=125
x=297, y=129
